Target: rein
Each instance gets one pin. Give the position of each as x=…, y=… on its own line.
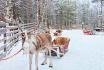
x=1, y=59
x=40, y=38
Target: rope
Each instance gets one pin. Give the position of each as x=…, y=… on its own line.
x=1, y=59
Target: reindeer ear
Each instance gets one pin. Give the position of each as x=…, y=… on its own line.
x=28, y=33
x=47, y=31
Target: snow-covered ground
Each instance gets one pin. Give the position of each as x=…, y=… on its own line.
x=86, y=52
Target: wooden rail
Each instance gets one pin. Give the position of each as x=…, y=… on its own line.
x=10, y=35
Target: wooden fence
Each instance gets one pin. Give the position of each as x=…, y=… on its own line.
x=10, y=35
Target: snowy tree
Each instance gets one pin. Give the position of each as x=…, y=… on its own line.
x=100, y=14
x=65, y=12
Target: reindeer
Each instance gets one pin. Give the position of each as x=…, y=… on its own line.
x=36, y=43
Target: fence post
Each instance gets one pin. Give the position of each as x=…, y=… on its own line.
x=5, y=39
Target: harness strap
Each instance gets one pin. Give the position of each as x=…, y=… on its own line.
x=1, y=59
x=40, y=38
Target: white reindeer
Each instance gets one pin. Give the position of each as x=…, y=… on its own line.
x=36, y=43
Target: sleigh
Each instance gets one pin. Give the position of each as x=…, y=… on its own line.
x=99, y=31
x=88, y=32
x=60, y=44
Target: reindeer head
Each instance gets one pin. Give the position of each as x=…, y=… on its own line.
x=59, y=31
x=48, y=32
x=26, y=35
x=25, y=40
x=23, y=34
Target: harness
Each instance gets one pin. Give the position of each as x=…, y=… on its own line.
x=40, y=38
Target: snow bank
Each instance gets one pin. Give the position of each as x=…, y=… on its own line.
x=86, y=52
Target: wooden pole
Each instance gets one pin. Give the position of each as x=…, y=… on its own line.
x=46, y=15
x=101, y=14
x=37, y=15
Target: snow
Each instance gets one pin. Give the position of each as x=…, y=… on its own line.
x=86, y=52
x=99, y=33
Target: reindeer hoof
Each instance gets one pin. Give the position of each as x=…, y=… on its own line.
x=43, y=63
x=61, y=55
x=50, y=66
x=23, y=49
x=37, y=69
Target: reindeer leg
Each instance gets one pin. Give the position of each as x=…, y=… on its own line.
x=22, y=46
x=50, y=64
x=36, y=59
x=50, y=48
x=30, y=60
x=46, y=56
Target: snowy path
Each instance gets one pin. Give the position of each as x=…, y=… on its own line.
x=85, y=53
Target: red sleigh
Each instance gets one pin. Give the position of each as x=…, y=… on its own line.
x=88, y=32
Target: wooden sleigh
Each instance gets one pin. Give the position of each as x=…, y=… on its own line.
x=60, y=44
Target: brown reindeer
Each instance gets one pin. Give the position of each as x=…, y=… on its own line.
x=36, y=43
